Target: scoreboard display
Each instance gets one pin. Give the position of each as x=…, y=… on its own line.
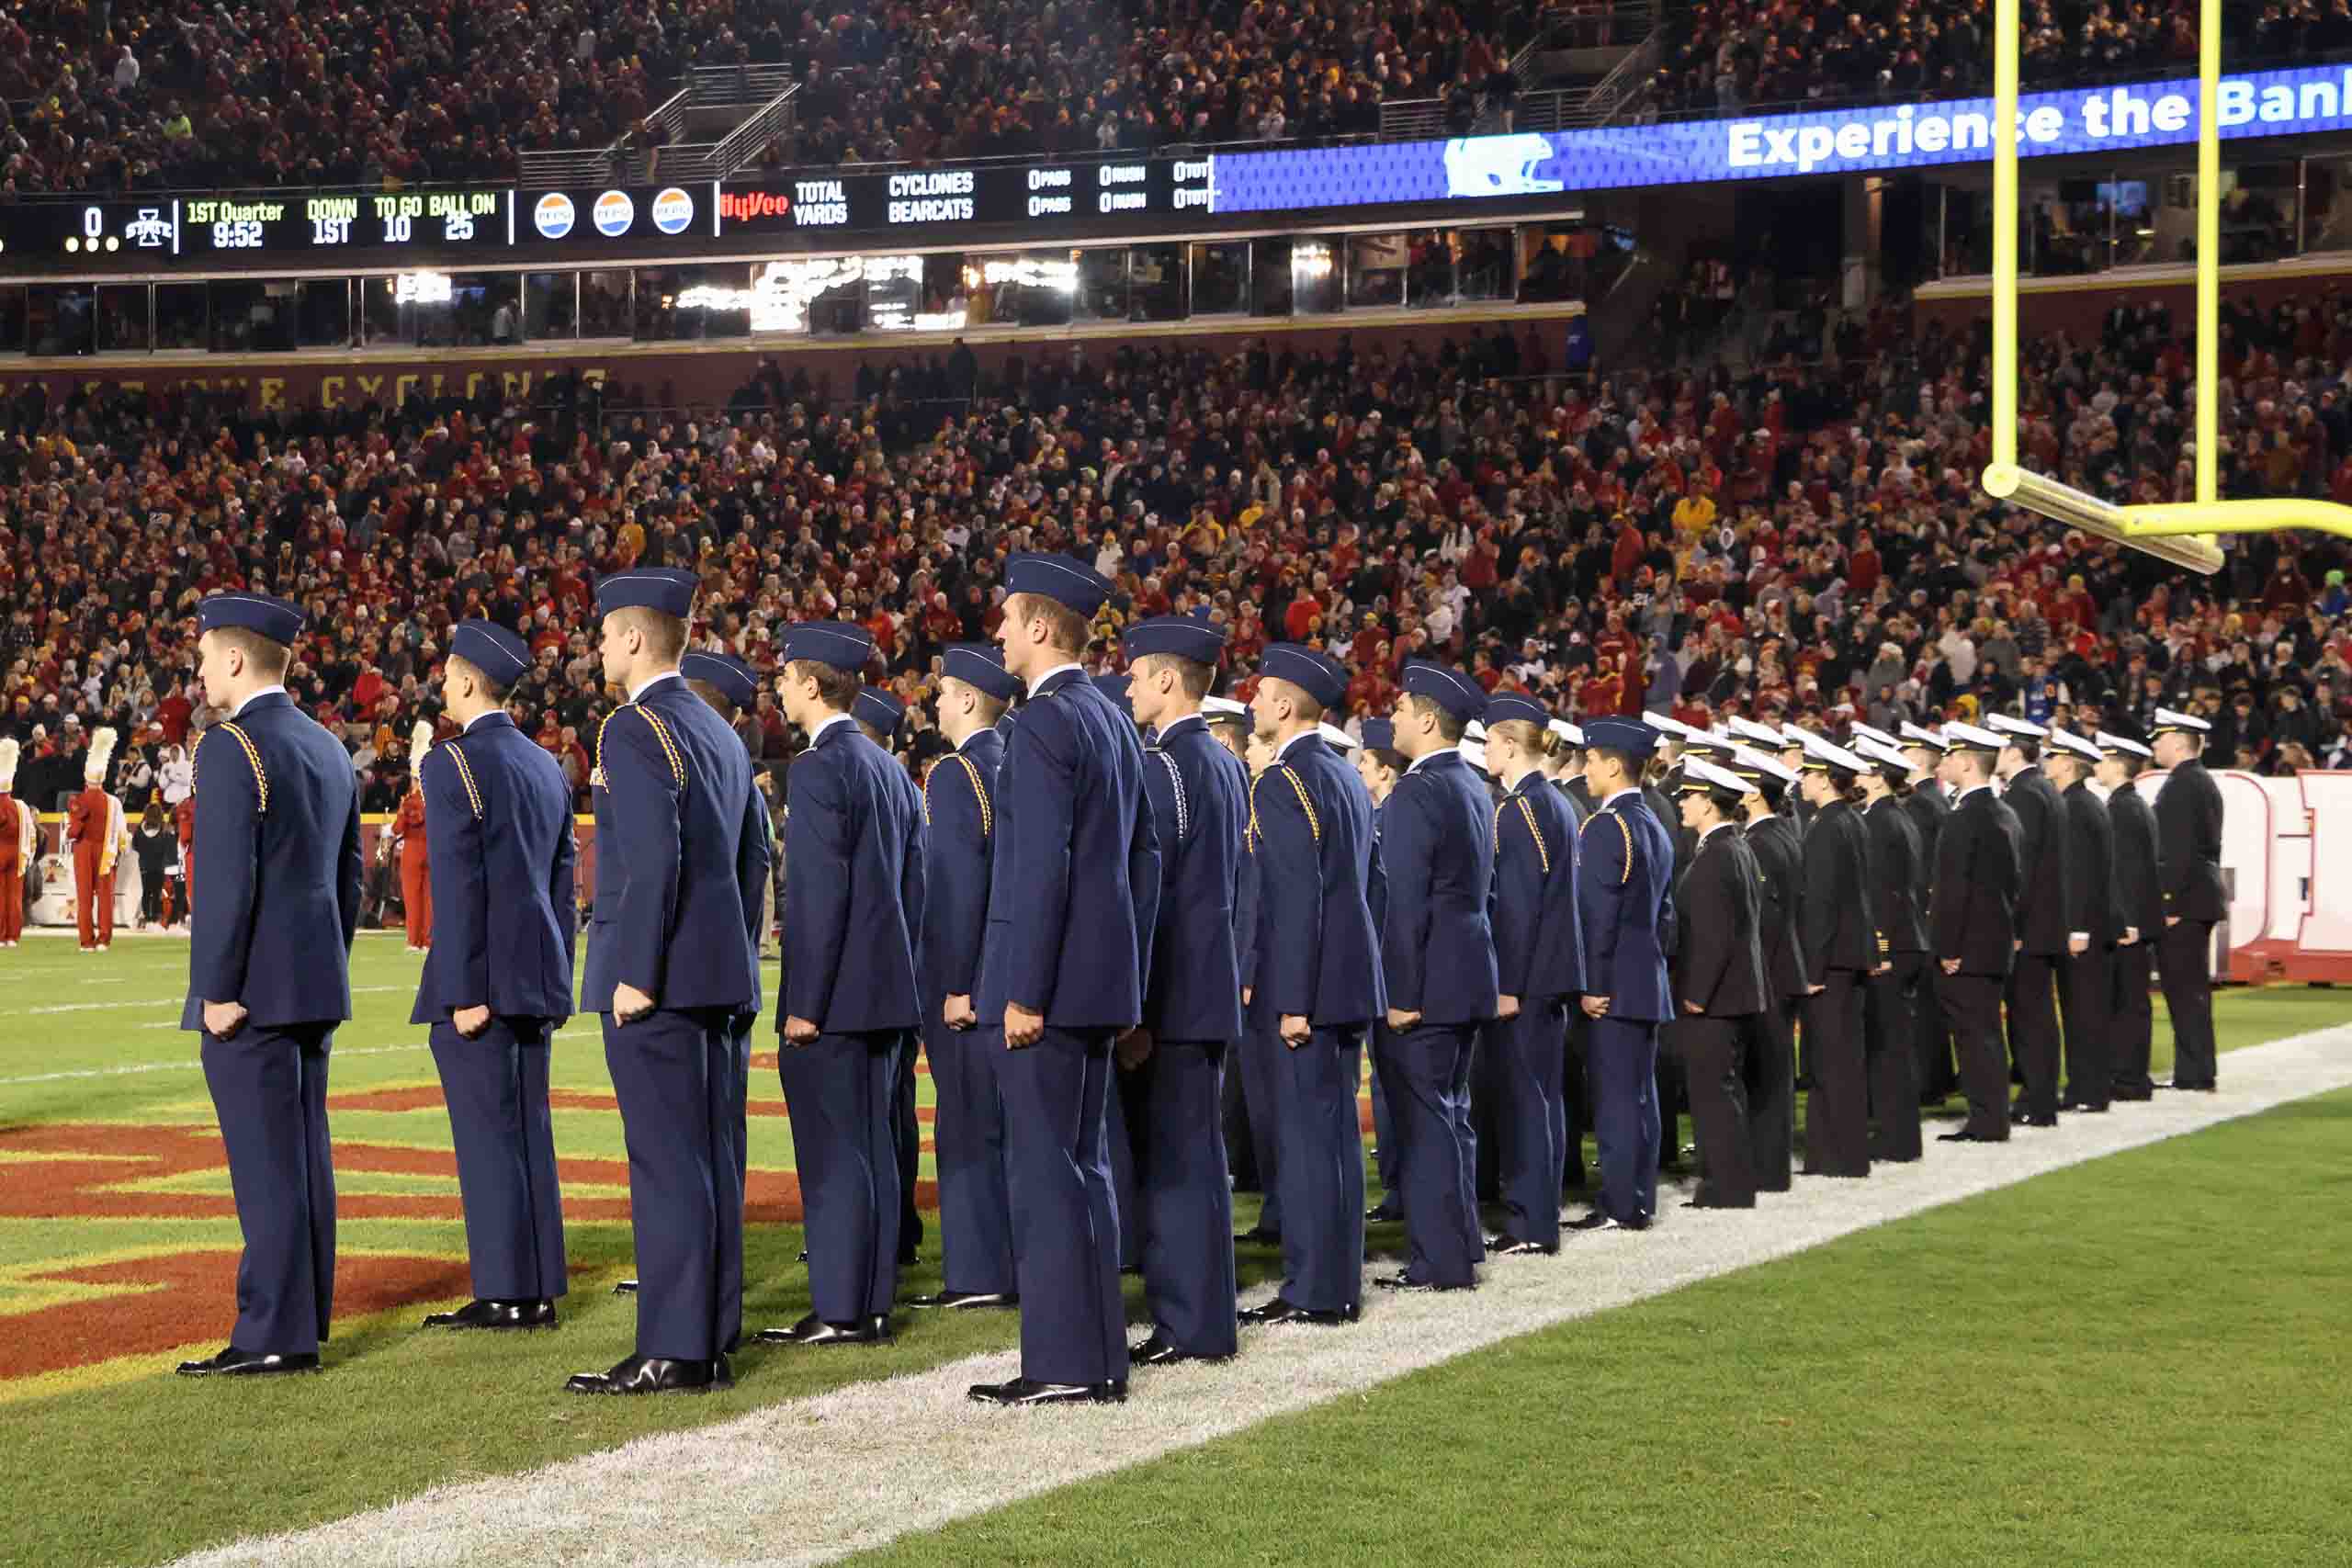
x=910, y=200
x=291, y=226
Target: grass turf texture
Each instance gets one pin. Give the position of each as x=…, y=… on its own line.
x=185, y=1466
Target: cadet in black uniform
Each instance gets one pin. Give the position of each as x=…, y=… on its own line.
x=1890, y=1002
x=1771, y=839
x=1929, y=805
x=2087, y=976
x=1971, y=926
x=2140, y=906
x=1841, y=942
x=2045, y=909
x=1719, y=984
x=2188, y=868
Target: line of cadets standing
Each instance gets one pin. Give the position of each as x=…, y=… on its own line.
x=1079, y=929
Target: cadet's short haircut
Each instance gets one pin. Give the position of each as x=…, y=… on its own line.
x=266, y=657
x=1625, y=760
x=2133, y=763
x=1194, y=676
x=1525, y=733
x=1978, y=763
x=837, y=688
x=489, y=682
x=1449, y=727
x=665, y=635
x=2027, y=748
x=1308, y=708
x=710, y=694
x=1394, y=761
x=1066, y=630
x=989, y=708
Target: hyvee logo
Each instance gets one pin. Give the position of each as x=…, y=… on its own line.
x=672, y=209
x=742, y=206
x=613, y=213
x=553, y=215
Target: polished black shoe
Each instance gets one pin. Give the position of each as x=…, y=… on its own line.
x=974, y=1300
x=1511, y=1247
x=1706, y=1198
x=496, y=1314
x=1159, y=1351
x=656, y=1374
x=1281, y=1310
x=1964, y=1136
x=1257, y=1236
x=815, y=1330
x=1406, y=1283
x=2188, y=1087
x=1598, y=1220
x=625, y=1288
x=2082, y=1107
x=232, y=1362
x=2048, y=1121
x=1382, y=1214
x=1028, y=1390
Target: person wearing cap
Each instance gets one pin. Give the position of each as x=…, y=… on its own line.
x=1437, y=950
x=2139, y=906
x=409, y=828
x=2188, y=873
x=679, y=870
x=1318, y=976
x=2050, y=912
x=2087, y=979
x=1253, y=1129
x=1073, y=899
x=94, y=834
x=1200, y=804
x=1928, y=804
x=1719, y=983
x=882, y=717
x=1843, y=948
x=1772, y=839
x=1625, y=905
x=958, y=837
x=1379, y=764
x=1972, y=925
x=20, y=847
x=1792, y=756
x=498, y=984
x=1538, y=958
x=1564, y=765
x=1891, y=997
x=269, y=971
x=848, y=1000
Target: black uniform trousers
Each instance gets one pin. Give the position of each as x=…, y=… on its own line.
x=672, y=1071
x=1185, y=1207
x=1938, y=1078
x=1530, y=1057
x=496, y=1088
x=1837, y=1109
x=1891, y=1044
x=1420, y=1065
x=2135, y=1021
x=2033, y=1032
x=1321, y=1169
x=908, y=1136
x=1065, y=1218
x=1670, y=1090
x=1771, y=1095
x=841, y=1090
x=1712, y=1053
x=2087, y=992
x=2184, y=964
x=975, y=1213
x=1973, y=1004
x=269, y=1090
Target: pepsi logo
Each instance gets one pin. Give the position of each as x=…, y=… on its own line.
x=672, y=209
x=614, y=212
x=553, y=215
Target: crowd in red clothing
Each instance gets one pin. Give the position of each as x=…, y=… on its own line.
x=1801, y=542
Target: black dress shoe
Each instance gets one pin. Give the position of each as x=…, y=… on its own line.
x=1257, y=1236
x=1280, y=1311
x=2049, y=1120
x=232, y=1362
x=1382, y=1214
x=1160, y=1351
x=815, y=1330
x=972, y=1299
x=1406, y=1283
x=1028, y=1390
x=496, y=1314
x=625, y=1288
x=804, y=1255
x=1964, y=1136
x=2188, y=1087
x=1703, y=1199
x=655, y=1374
x=1511, y=1247
x=1598, y=1220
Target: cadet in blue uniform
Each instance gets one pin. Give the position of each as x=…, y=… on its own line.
x=959, y=838
x=1625, y=899
x=1200, y=804
x=1718, y=971
x=1564, y=765
x=880, y=715
x=1250, y=1076
x=1074, y=897
x=1437, y=953
x=269, y=971
x=497, y=980
x=678, y=863
x=848, y=998
x=2140, y=906
x=1318, y=976
x=1379, y=764
x=1539, y=955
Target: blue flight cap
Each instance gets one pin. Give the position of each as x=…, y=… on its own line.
x=845, y=645
x=279, y=620
x=982, y=664
x=1181, y=636
x=1380, y=734
x=730, y=674
x=1455, y=693
x=1113, y=687
x=1630, y=736
x=491, y=648
x=1316, y=674
x=650, y=588
x=1504, y=707
x=879, y=708
x=1069, y=582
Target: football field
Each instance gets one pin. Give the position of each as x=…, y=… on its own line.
x=1990, y=1379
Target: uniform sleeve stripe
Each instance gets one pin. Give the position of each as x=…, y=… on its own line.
x=668, y=747
x=980, y=793
x=252, y=755
x=466, y=777
x=1543, y=852
x=596, y=777
x=1625, y=872
x=1183, y=810
x=1314, y=825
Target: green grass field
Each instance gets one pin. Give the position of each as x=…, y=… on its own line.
x=115, y=1235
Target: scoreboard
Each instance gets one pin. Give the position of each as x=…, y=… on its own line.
x=291, y=226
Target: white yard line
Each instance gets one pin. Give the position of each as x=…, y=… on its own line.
x=191, y=1065
x=165, y=1001
x=806, y=1480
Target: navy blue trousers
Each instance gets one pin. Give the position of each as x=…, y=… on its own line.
x=1422, y=1066
x=1321, y=1168
x=269, y=1090
x=673, y=1072
x=1261, y=1051
x=907, y=1139
x=1123, y=1116
x=839, y=1090
x=975, y=1213
x=1624, y=1065
x=1185, y=1204
x=496, y=1087
x=1529, y=1057
x=1064, y=1217
x=1460, y=1098
x=1384, y=1121
x=731, y=1200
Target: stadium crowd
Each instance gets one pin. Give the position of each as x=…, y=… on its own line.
x=1805, y=541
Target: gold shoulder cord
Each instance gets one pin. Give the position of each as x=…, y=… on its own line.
x=252, y=755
